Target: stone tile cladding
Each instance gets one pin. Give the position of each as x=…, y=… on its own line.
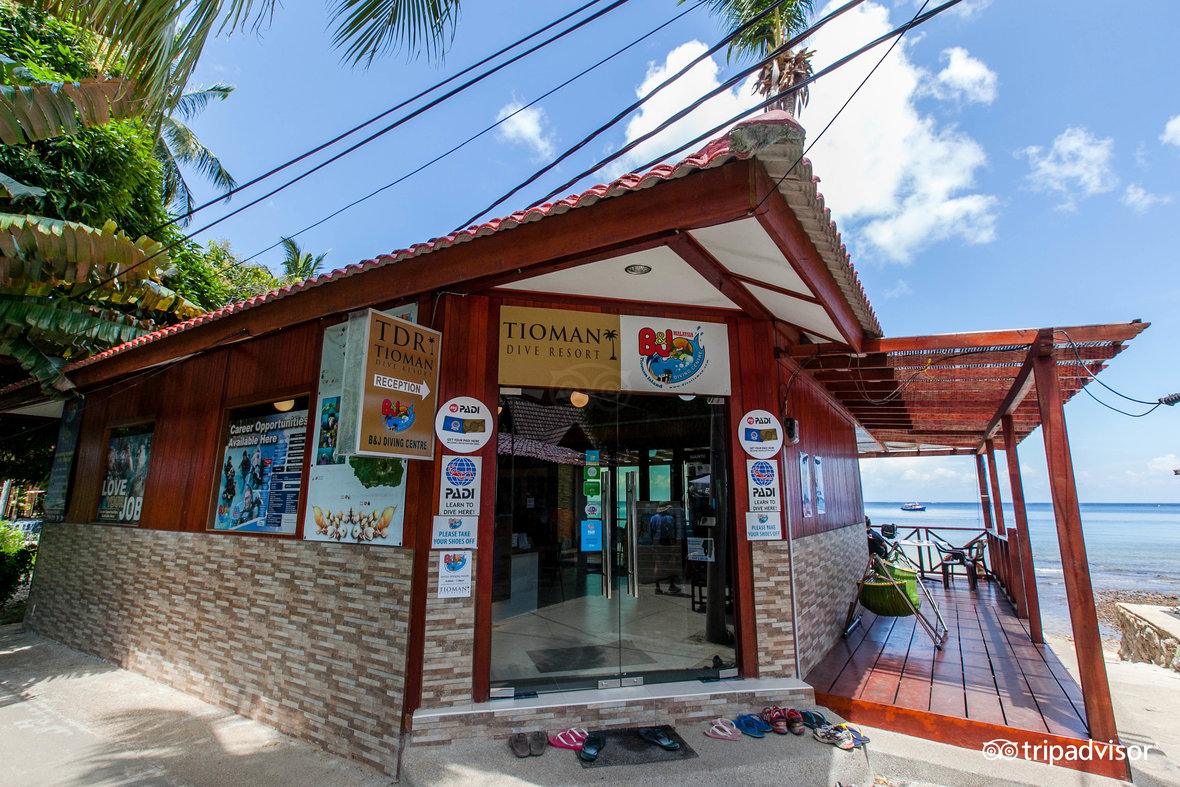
x=448, y=643
x=307, y=637
x=827, y=567
x=772, y=610
x=688, y=710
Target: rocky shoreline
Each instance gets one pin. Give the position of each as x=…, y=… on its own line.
x=1107, y=601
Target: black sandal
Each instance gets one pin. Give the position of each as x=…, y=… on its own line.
x=593, y=746
x=519, y=743
x=657, y=736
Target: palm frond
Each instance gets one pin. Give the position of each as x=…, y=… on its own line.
x=193, y=102
x=366, y=29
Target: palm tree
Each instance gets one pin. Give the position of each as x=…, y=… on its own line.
x=176, y=144
x=159, y=41
x=763, y=39
x=299, y=265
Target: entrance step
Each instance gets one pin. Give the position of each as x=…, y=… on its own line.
x=687, y=704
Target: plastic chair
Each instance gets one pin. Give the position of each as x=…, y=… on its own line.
x=970, y=557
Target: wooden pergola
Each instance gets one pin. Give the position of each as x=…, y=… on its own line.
x=969, y=394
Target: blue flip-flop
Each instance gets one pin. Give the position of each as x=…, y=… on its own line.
x=813, y=720
x=752, y=725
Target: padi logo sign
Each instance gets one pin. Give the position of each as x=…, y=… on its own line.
x=459, y=491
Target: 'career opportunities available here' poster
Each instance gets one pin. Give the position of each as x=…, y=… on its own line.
x=260, y=473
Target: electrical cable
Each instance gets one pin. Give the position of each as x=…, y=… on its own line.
x=777, y=97
x=658, y=88
x=374, y=119
x=1082, y=363
x=479, y=134
x=429, y=105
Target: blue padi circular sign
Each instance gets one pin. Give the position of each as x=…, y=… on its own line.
x=762, y=473
x=461, y=471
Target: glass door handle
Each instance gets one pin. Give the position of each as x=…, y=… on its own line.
x=632, y=536
x=608, y=541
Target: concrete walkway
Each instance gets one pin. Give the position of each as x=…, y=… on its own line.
x=71, y=719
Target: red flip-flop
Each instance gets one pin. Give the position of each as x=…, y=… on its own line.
x=572, y=738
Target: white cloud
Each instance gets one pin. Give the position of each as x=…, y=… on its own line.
x=898, y=290
x=1164, y=464
x=1078, y=165
x=526, y=127
x=684, y=91
x=907, y=184
x=965, y=78
x=922, y=478
x=1139, y=199
x=1171, y=135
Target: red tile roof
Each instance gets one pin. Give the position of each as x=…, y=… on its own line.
x=714, y=154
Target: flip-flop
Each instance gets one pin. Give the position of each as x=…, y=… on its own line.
x=519, y=743
x=724, y=729
x=795, y=722
x=537, y=743
x=593, y=746
x=776, y=718
x=858, y=736
x=752, y=725
x=573, y=738
x=657, y=736
x=813, y=719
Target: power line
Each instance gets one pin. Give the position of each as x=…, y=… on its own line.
x=430, y=105
x=479, y=134
x=692, y=64
x=374, y=119
x=725, y=124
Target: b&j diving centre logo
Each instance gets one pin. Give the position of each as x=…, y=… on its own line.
x=454, y=561
x=397, y=416
x=461, y=471
x=671, y=358
x=762, y=473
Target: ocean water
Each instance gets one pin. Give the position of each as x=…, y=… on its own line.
x=1130, y=546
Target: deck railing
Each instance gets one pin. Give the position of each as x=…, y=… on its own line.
x=1002, y=558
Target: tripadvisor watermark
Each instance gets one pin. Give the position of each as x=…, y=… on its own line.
x=1083, y=751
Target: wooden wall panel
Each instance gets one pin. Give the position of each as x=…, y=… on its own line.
x=184, y=463
x=279, y=363
x=823, y=431
x=88, y=463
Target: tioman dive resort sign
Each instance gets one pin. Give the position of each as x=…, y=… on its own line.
x=552, y=348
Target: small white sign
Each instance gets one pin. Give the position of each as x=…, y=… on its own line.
x=458, y=493
x=454, y=574
x=762, y=479
x=821, y=504
x=761, y=434
x=764, y=526
x=463, y=424
x=454, y=531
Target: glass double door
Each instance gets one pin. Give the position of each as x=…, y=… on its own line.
x=612, y=541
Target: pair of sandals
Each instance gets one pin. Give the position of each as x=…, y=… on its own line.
x=783, y=721
x=588, y=745
x=527, y=744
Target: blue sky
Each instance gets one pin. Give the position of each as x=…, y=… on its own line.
x=1010, y=165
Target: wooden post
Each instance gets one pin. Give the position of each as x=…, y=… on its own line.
x=993, y=554
x=1032, y=604
x=1078, y=590
x=1011, y=583
x=994, y=477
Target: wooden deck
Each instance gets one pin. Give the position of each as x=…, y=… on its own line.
x=990, y=681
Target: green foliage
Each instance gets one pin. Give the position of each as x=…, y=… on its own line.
x=52, y=50
x=373, y=472
x=299, y=265
x=213, y=276
x=16, y=561
x=771, y=32
x=107, y=172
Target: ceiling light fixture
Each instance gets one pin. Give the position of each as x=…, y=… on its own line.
x=579, y=399
x=637, y=269
x=284, y=405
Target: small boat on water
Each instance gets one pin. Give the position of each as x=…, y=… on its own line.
x=912, y=507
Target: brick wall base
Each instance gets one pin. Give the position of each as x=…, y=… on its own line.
x=827, y=566
x=772, y=609
x=307, y=637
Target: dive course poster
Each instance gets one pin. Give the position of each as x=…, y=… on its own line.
x=128, y=451
x=260, y=473
x=56, y=492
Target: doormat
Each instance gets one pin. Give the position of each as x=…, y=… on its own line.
x=625, y=747
x=588, y=657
